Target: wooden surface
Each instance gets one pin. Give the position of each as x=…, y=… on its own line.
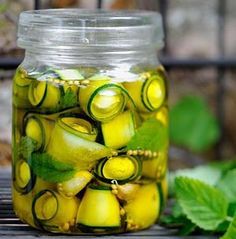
x=10, y=226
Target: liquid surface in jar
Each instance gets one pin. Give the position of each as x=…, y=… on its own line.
x=90, y=151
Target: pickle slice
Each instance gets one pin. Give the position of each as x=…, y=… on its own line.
x=121, y=168
x=70, y=146
x=39, y=129
x=118, y=132
x=143, y=210
x=102, y=100
x=99, y=210
x=148, y=93
x=43, y=94
x=49, y=209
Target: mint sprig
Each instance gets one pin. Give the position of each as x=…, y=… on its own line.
x=49, y=169
x=151, y=135
x=69, y=99
x=231, y=231
x=203, y=204
x=26, y=147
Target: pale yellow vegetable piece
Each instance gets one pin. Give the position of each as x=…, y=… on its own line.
x=22, y=173
x=144, y=209
x=99, y=208
x=73, y=186
x=118, y=131
x=127, y=191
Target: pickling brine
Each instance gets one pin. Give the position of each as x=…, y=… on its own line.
x=89, y=147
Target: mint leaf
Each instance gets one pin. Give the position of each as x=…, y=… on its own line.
x=152, y=135
x=192, y=124
x=231, y=231
x=49, y=169
x=205, y=173
x=227, y=185
x=69, y=99
x=26, y=147
x=203, y=204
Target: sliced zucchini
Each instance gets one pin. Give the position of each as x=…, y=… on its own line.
x=39, y=129
x=22, y=206
x=20, y=96
x=99, y=211
x=78, y=126
x=23, y=177
x=68, y=146
x=144, y=209
x=148, y=93
x=102, y=100
x=73, y=186
x=118, y=131
x=44, y=95
x=40, y=185
x=122, y=168
x=21, y=78
x=69, y=74
x=155, y=168
x=49, y=209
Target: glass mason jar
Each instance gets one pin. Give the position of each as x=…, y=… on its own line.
x=90, y=121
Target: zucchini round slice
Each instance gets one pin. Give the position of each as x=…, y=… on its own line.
x=148, y=93
x=144, y=209
x=73, y=186
x=78, y=126
x=68, y=146
x=69, y=74
x=23, y=177
x=44, y=95
x=49, y=207
x=99, y=211
x=39, y=129
x=122, y=168
x=118, y=131
x=21, y=78
x=102, y=100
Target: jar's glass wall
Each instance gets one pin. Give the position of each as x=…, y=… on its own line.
x=90, y=140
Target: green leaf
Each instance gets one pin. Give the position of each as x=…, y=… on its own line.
x=69, y=99
x=152, y=135
x=203, y=204
x=227, y=185
x=231, y=231
x=205, y=173
x=26, y=147
x=49, y=169
x=192, y=124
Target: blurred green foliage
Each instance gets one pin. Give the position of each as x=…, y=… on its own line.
x=193, y=125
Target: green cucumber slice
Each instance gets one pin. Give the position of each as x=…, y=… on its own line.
x=78, y=126
x=23, y=177
x=122, y=168
x=102, y=100
x=118, y=131
x=69, y=74
x=39, y=129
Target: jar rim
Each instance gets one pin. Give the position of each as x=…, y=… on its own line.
x=76, y=28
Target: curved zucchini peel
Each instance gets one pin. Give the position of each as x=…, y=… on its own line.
x=102, y=100
x=39, y=129
x=76, y=124
x=118, y=131
x=99, y=211
x=49, y=207
x=73, y=186
x=148, y=93
x=23, y=177
x=67, y=146
x=44, y=95
x=122, y=168
x=144, y=209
